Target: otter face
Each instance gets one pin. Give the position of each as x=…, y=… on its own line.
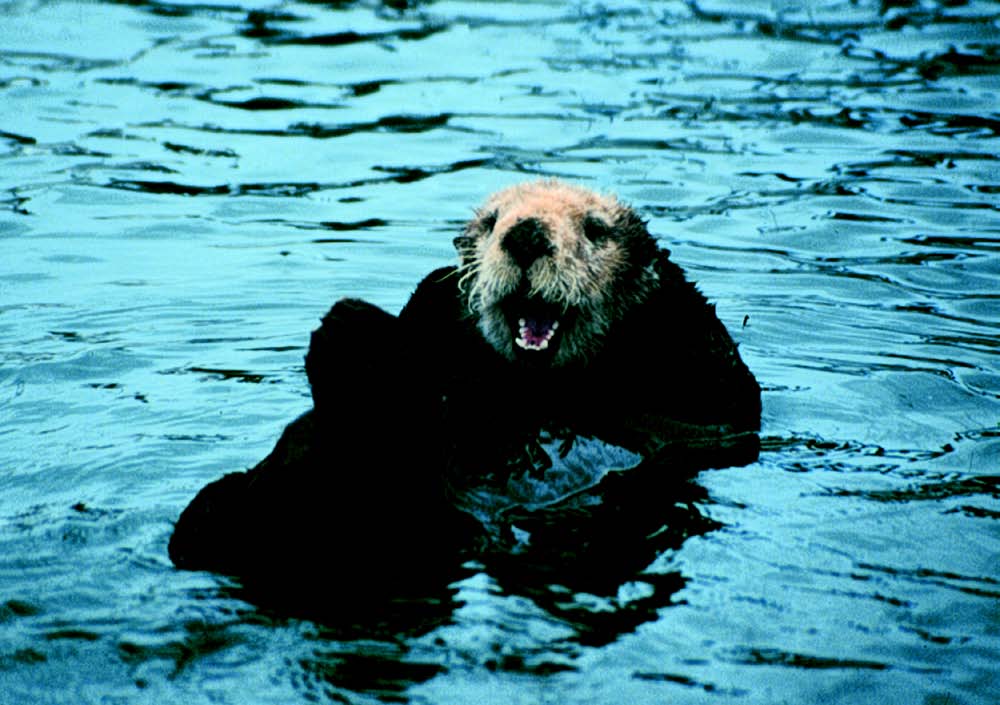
x=547, y=267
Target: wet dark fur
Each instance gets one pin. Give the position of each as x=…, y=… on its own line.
x=408, y=407
x=654, y=382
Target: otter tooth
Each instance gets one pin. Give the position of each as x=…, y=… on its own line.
x=555, y=324
x=521, y=322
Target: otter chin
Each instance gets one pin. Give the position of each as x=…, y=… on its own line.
x=563, y=319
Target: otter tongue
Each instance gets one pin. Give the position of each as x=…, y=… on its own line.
x=535, y=332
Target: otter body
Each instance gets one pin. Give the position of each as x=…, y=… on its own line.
x=562, y=319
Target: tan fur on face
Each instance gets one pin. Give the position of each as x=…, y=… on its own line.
x=579, y=275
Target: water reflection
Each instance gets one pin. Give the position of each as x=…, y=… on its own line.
x=585, y=572
x=583, y=561
x=576, y=536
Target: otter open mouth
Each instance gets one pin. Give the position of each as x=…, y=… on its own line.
x=535, y=333
x=534, y=324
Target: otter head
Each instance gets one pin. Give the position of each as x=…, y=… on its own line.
x=547, y=268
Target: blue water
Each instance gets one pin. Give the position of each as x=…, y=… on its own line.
x=186, y=187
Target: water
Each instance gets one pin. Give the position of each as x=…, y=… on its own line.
x=186, y=187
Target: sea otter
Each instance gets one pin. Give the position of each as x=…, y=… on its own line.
x=562, y=322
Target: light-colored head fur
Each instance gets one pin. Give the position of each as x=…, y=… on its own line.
x=590, y=262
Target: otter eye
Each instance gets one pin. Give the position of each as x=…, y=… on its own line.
x=488, y=222
x=596, y=230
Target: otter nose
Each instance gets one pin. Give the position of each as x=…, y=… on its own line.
x=527, y=241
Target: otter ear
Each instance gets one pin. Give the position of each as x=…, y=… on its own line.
x=466, y=247
x=632, y=230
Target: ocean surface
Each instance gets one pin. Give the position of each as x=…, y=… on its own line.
x=186, y=187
